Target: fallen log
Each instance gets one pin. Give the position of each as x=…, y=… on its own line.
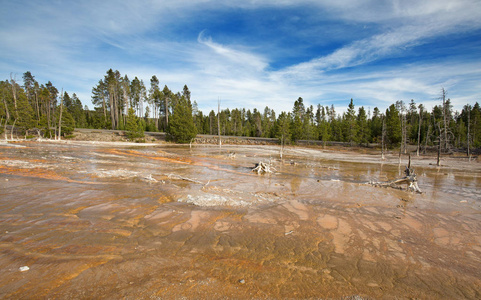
x=184, y=178
x=410, y=180
x=262, y=168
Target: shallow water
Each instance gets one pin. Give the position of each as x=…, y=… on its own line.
x=102, y=221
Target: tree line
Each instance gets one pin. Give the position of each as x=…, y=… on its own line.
x=124, y=104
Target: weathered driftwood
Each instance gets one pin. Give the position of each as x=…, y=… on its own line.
x=184, y=178
x=263, y=167
x=410, y=180
x=149, y=178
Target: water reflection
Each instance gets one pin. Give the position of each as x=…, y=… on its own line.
x=94, y=221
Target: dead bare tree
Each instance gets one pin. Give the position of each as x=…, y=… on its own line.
x=13, y=85
x=281, y=150
x=443, y=95
x=383, y=135
x=218, y=122
x=438, y=162
x=60, y=118
x=36, y=103
x=13, y=127
x=166, y=100
x=7, y=113
x=468, y=136
x=419, y=128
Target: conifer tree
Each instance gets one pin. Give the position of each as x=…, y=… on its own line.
x=24, y=113
x=393, y=126
x=350, y=124
x=134, y=127
x=363, y=133
x=376, y=125
x=297, y=124
x=181, y=124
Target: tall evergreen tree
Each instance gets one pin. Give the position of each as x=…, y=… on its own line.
x=181, y=125
x=363, y=134
x=393, y=126
x=350, y=124
x=99, y=99
x=308, y=124
x=155, y=96
x=134, y=126
x=376, y=125
x=298, y=112
x=476, y=125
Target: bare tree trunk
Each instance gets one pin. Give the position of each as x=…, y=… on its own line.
x=5, y=130
x=282, y=145
x=48, y=117
x=38, y=109
x=126, y=100
x=419, y=129
x=112, y=110
x=474, y=126
x=7, y=113
x=383, y=134
x=60, y=119
x=55, y=127
x=218, y=122
x=438, y=163
x=402, y=119
x=405, y=134
x=116, y=105
x=156, y=116
x=445, y=120
x=467, y=138
x=166, y=112
x=104, y=106
x=400, y=153
x=13, y=127
x=2, y=122
x=210, y=124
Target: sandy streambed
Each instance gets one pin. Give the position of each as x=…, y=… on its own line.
x=119, y=221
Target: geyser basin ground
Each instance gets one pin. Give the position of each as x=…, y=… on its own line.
x=103, y=220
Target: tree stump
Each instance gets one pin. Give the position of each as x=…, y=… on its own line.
x=262, y=168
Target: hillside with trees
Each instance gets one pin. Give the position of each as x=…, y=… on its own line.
x=31, y=108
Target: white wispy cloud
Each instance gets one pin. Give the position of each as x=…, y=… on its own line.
x=73, y=45
x=231, y=57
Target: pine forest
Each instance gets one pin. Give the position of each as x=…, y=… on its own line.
x=32, y=109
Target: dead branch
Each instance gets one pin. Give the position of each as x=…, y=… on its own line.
x=184, y=178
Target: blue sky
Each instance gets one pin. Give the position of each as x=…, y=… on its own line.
x=253, y=54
